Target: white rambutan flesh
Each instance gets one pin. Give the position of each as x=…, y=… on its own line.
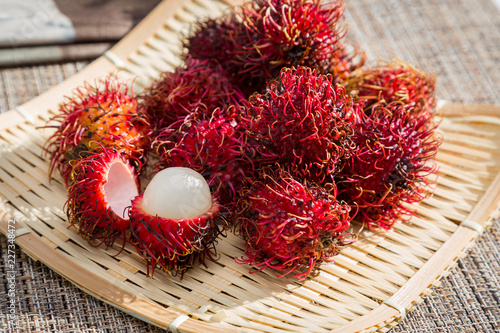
x=120, y=188
x=175, y=222
x=177, y=193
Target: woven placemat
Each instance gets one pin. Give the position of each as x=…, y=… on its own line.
x=468, y=299
x=457, y=40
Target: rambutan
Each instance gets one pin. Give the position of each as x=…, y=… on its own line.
x=212, y=147
x=290, y=225
x=390, y=165
x=103, y=186
x=286, y=33
x=396, y=81
x=94, y=118
x=348, y=60
x=304, y=120
x=211, y=39
x=175, y=222
x=196, y=89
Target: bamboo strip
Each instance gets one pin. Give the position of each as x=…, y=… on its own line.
x=449, y=110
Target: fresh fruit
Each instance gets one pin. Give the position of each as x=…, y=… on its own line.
x=286, y=33
x=212, y=147
x=397, y=81
x=272, y=126
x=103, y=186
x=348, y=60
x=254, y=44
x=211, y=40
x=290, y=225
x=195, y=89
x=94, y=118
x=390, y=165
x=175, y=222
x=303, y=120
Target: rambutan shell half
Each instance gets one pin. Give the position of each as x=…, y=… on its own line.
x=103, y=186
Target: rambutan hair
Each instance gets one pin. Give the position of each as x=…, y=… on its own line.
x=303, y=119
x=290, y=225
x=287, y=33
x=213, y=147
x=397, y=81
x=391, y=164
x=105, y=115
x=196, y=89
x=211, y=39
x=349, y=60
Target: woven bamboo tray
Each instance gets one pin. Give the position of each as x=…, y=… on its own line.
x=372, y=283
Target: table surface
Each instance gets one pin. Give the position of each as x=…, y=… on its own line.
x=458, y=40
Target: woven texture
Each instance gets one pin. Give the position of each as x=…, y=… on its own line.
x=461, y=49
x=49, y=303
x=19, y=85
x=458, y=41
x=468, y=299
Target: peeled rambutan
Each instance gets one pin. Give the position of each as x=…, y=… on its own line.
x=175, y=222
x=103, y=186
x=304, y=120
x=290, y=225
x=94, y=118
x=396, y=81
x=196, y=89
x=286, y=33
x=390, y=165
x=212, y=147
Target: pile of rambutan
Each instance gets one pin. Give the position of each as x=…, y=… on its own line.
x=274, y=127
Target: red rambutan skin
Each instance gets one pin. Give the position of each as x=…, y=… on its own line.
x=286, y=33
x=397, y=81
x=94, y=118
x=304, y=120
x=87, y=206
x=289, y=225
x=211, y=40
x=390, y=165
x=195, y=89
x=348, y=60
x=174, y=245
x=212, y=147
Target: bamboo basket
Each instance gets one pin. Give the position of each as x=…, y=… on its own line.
x=371, y=285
